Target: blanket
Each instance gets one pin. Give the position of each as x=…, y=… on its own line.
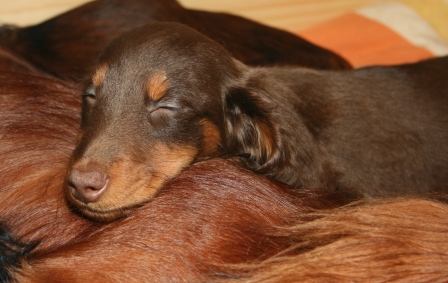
x=386, y=33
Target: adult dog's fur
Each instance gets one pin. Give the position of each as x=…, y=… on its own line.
x=165, y=96
x=68, y=45
x=399, y=240
x=193, y=229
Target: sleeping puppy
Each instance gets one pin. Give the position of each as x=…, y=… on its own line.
x=164, y=96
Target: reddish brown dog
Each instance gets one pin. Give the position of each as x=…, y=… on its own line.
x=164, y=96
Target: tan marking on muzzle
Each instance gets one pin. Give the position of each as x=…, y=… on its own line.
x=135, y=181
x=211, y=138
x=157, y=86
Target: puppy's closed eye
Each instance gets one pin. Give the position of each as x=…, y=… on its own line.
x=89, y=93
x=161, y=113
x=161, y=109
x=88, y=101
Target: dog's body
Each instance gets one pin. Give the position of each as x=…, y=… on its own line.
x=379, y=131
x=165, y=96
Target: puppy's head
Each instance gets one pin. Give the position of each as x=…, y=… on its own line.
x=158, y=101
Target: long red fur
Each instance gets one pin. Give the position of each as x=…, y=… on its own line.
x=397, y=240
x=39, y=119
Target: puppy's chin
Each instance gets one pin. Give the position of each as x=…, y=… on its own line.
x=96, y=213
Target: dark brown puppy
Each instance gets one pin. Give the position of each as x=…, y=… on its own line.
x=165, y=96
x=68, y=45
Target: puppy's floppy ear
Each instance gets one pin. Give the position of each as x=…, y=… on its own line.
x=250, y=130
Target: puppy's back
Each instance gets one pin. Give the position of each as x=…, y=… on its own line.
x=391, y=127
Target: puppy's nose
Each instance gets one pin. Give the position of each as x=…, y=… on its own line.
x=87, y=185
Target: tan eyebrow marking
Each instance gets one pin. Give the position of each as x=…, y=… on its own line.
x=100, y=74
x=157, y=86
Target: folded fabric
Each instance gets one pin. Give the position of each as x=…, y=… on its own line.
x=384, y=33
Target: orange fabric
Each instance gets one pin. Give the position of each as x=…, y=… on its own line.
x=364, y=42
